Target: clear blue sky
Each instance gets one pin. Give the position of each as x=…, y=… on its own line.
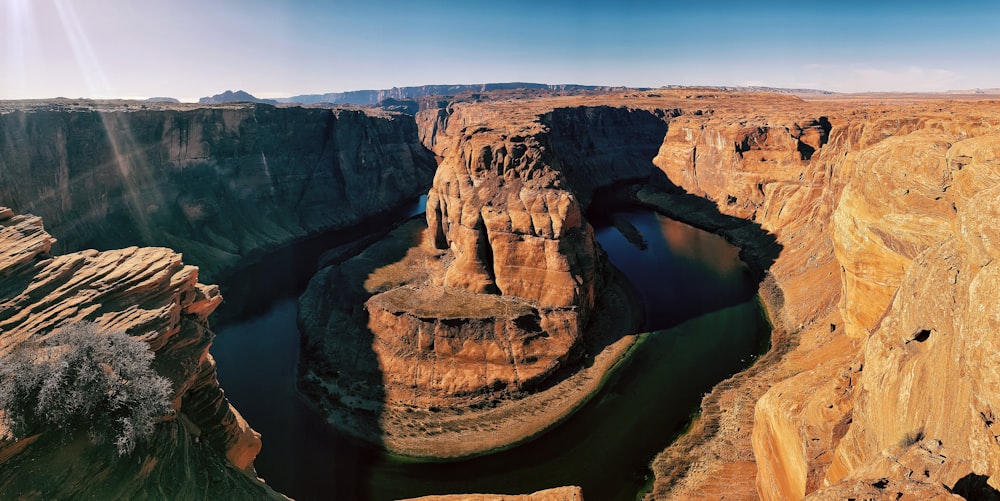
x=192, y=48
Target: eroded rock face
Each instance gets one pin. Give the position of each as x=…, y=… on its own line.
x=215, y=183
x=768, y=161
x=856, y=196
x=485, y=344
x=880, y=378
x=496, y=298
x=148, y=293
x=505, y=209
x=929, y=373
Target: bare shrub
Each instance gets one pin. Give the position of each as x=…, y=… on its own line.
x=82, y=378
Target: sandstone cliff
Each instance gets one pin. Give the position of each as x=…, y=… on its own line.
x=205, y=450
x=216, y=183
x=867, y=202
x=878, y=381
x=495, y=298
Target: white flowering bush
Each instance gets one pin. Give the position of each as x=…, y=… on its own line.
x=82, y=378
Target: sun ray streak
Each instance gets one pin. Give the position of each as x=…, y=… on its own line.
x=83, y=51
x=19, y=18
x=140, y=194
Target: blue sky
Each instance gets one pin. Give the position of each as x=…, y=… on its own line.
x=193, y=48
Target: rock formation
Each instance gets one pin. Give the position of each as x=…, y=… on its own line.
x=876, y=260
x=217, y=183
x=205, y=449
x=867, y=202
x=878, y=381
x=509, y=270
x=365, y=97
x=235, y=97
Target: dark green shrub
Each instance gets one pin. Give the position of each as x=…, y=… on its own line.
x=81, y=378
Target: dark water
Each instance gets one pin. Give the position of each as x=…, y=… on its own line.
x=697, y=295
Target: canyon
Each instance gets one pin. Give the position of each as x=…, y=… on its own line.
x=205, y=449
x=219, y=184
x=869, y=223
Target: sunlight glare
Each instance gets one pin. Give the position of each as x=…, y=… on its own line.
x=19, y=17
x=83, y=52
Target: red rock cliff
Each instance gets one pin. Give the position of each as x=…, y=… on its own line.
x=218, y=183
x=149, y=293
x=877, y=384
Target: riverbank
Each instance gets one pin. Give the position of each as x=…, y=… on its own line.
x=418, y=434
x=652, y=384
x=720, y=435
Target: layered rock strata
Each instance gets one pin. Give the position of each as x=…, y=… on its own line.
x=204, y=449
x=878, y=381
x=216, y=183
x=497, y=297
x=874, y=256
x=505, y=210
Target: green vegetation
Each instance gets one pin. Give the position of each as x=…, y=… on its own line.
x=82, y=378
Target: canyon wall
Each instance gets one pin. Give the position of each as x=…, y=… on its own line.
x=878, y=381
x=204, y=449
x=215, y=183
x=495, y=297
x=506, y=210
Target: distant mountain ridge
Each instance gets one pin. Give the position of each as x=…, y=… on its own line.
x=990, y=91
x=238, y=96
x=372, y=96
x=396, y=94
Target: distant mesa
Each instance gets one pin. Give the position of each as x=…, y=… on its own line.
x=233, y=97
x=371, y=96
x=163, y=100
x=990, y=91
x=753, y=88
x=405, y=106
x=403, y=99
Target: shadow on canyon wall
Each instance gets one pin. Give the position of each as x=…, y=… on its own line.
x=340, y=369
x=224, y=198
x=974, y=487
x=218, y=184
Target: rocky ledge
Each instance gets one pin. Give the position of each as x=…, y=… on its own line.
x=205, y=449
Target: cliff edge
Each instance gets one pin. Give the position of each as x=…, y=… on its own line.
x=205, y=449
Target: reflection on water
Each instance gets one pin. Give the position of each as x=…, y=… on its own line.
x=681, y=272
x=696, y=294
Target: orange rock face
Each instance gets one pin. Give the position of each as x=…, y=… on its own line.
x=878, y=277
x=505, y=212
x=148, y=293
x=493, y=342
x=873, y=206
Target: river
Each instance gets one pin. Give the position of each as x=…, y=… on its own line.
x=704, y=324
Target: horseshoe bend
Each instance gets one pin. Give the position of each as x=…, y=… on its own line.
x=864, y=226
